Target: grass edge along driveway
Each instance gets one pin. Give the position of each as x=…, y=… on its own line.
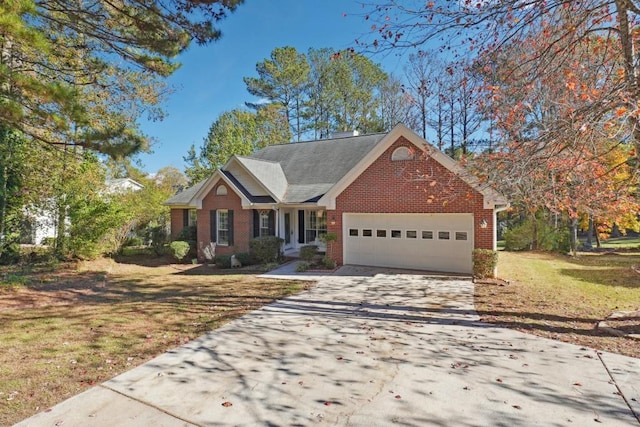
x=67, y=328
x=561, y=297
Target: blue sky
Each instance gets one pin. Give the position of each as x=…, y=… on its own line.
x=210, y=79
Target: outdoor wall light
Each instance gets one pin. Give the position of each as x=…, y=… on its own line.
x=483, y=223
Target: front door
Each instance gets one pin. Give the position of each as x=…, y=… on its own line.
x=287, y=228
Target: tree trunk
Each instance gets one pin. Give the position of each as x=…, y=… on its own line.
x=534, y=232
x=3, y=204
x=589, y=242
x=573, y=236
x=595, y=228
x=61, y=211
x=632, y=76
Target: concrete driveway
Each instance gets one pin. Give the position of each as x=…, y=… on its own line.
x=366, y=347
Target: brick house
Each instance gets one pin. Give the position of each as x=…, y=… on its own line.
x=392, y=199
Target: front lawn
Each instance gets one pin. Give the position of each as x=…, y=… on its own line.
x=563, y=297
x=66, y=328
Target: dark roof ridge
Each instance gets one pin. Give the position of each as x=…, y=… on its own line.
x=311, y=141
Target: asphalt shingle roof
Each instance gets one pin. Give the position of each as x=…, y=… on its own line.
x=311, y=168
x=299, y=172
x=184, y=197
x=243, y=190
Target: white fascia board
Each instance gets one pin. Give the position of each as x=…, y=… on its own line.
x=329, y=198
x=179, y=206
x=208, y=186
x=247, y=170
x=490, y=198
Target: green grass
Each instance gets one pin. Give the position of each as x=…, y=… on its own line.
x=606, y=281
x=67, y=329
x=563, y=297
x=622, y=242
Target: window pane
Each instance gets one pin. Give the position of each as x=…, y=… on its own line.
x=322, y=222
x=396, y=234
x=443, y=235
x=353, y=232
x=427, y=234
x=315, y=225
x=264, y=223
x=313, y=220
x=223, y=227
x=461, y=235
x=366, y=233
x=310, y=236
x=193, y=216
x=223, y=220
x=381, y=233
x=412, y=234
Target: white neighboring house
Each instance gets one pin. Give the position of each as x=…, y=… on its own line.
x=122, y=185
x=44, y=220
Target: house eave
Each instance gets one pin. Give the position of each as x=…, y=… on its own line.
x=248, y=171
x=217, y=176
x=491, y=198
x=180, y=206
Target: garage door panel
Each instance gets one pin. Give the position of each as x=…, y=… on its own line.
x=438, y=254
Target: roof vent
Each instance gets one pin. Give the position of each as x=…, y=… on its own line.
x=345, y=134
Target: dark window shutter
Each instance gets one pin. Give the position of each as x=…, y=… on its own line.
x=230, y=227
x=185, y=217
x=300, y=226
x=256, y=223
x=272, y=223
x=212, y=223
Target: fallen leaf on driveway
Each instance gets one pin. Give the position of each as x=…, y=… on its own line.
x=498, y=380
x=227, y=404
x=398, y=396
x=516, y=406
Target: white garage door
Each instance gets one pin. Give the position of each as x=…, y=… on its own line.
x=438, y=242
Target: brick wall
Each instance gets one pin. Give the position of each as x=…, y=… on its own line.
x=177, y=222
x=242, y=222
x=420, y=185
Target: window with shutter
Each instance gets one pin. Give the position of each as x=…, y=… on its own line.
x=230, y=215
x=185, y=217
x=222, y=222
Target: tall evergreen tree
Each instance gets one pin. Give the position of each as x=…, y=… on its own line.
x=282, y=79
x=68, y=67
x=236, y=132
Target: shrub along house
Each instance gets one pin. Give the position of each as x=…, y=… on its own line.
x=392, y=199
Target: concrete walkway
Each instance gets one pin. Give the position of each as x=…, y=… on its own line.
x=366, y=348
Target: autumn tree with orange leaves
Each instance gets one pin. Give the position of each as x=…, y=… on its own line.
x=562, y=89
x=558, y=152
x=481, y=29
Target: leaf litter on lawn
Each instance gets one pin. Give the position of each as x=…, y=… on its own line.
x=77, y=325
x=564, y=298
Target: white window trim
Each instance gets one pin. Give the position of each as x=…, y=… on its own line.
x=264, y=223
x=321, y=215
x=221, y=190
x=219, y=212
x=193, y=217
x=402, y=153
